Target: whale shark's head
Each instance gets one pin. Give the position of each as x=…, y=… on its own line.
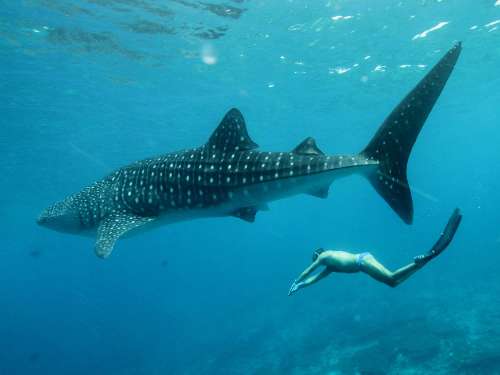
x=62, y=216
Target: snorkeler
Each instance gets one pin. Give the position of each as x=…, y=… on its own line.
x=345, y=262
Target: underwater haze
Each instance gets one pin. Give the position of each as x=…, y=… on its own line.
x=88, y=86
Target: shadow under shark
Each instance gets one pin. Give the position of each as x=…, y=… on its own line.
x=228, y=176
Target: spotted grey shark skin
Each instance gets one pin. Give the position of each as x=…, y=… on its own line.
x=228, y=176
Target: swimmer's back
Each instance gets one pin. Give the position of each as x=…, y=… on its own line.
x=340, y=261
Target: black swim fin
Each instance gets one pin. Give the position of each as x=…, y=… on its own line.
x=444, y=239
x=392, y=143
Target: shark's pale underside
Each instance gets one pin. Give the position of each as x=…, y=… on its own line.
x=228, y=176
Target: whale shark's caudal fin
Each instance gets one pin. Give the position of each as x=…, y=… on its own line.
x=392, y=144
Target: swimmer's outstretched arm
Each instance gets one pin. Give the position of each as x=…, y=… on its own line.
x=308, y=270
x=309, y=281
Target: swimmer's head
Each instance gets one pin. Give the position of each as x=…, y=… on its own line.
x=316, y=253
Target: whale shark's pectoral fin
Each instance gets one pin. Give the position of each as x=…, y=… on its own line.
x=246, y=213
x=113, y=227
x=308, y=147
x=231, y=134
x=320, y=193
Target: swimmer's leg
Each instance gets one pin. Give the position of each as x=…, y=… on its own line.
x=377, y=270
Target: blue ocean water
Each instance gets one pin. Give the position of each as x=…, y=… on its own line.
x=90, y=85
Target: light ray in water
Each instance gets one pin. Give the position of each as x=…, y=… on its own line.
x=87, y=156
x=413, y=189
x=424, y=34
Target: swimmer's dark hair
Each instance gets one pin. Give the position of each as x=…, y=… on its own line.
x=316, y=253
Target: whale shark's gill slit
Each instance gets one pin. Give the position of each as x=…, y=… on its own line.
x=392, y=144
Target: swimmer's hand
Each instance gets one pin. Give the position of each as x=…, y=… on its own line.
x=295, y=286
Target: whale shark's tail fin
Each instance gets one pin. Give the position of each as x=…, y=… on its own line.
x=392, y=144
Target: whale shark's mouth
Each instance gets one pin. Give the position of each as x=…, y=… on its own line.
x=46, y=216
x=41, y=219
x=61, y=216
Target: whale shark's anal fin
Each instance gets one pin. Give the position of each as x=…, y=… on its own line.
x=248, y=213
x=113, y=227
x=392, y=144
x=320, y=192
x=231, y=134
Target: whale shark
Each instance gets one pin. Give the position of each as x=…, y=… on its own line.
x=229, y=176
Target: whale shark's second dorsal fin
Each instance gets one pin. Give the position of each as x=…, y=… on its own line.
x=231, y=134
x=113, y=227
x=308, y=147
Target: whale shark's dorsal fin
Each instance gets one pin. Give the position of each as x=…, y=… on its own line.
x=113, y=227
x=231, y=134
x=308, y=147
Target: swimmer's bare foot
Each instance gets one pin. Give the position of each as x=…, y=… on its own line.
x=443, y=241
